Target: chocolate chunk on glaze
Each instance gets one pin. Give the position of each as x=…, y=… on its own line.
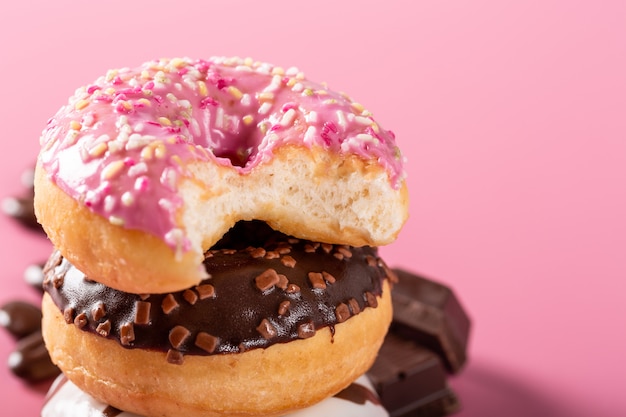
x=237, y=308
x=429, y=313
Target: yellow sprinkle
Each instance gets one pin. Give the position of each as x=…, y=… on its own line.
x=235, y=92
x=321, y=92
x=265, y=96
x=171, y=140
x=202, y=89
x=81, y=104
x=128, y=199
x=145, y=75
x=178, y=62
x=164, y=121
x=177, y=160
x=300, y=76
x=248, y=61
x=329, y=101
x=291, y=82
x=112, y=170
x=346, y=96
x=109, y=91
x=247, y=119
x=375, y=127
x=144, y=101
x=147, y=153
x=74, y=125
x=278, y=71
x=98, y=150
x=357, y=106
x=159, y=150
x=127, y=105
x=308, y=92
x=111, y=74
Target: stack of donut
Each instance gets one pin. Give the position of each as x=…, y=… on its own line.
x=216, y=225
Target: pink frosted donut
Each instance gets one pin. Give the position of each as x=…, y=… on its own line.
x=146, y=168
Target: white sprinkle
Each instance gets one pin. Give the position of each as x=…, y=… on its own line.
x=274, y=84
x=288, y=118
x=292, y=71
x=243, y=68
x=246, y=100
x=298, y=87
x=311, y=117
x=166, y=205
x=138, y=169
x=195, y=127
x=265, y=108
x=116, y=220
x=341, y=119
x=219, y=118
x=88, y=120
x=127, y=199
x=168, y=178
x=109, y=203
x=365, y=137
x=310, y=135
x=366, y=121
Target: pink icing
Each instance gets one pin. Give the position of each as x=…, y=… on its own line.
x=121, y=144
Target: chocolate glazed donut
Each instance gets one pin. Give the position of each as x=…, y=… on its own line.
x=273, y=290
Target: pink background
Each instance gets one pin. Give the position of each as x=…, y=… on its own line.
x=512, y=116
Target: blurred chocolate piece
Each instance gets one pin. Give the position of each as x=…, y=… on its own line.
x=411, y=380
x=33, y=276
x=429, y=314
x=20, y=318
x=30, y=359
x=22, y=208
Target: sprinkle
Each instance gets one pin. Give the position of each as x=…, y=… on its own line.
x=127, y=199
x=169, y=177
x=265, y=96
x=169, y=304
x=247, y=119
x=81, y=104
x=342, y=313
x=265, y=108
x=365, y=137
x=306, y=330
x=288, y=118
x=142, y=312
x=190, y=296
x=104, y=329
x=278, y=71
x=98, y=311
x=266, y=280
x=357, y=106
x=310, y=135
x=267, y=330
x=74, y=125
x=366, y=121
x=311, y=117
x=174, y=357
x=159, y=150
x=235, y=92
x=98, y=150
x=116, y=221
x=112, y=170
x=138, y=169
x=308, y=92
x=178, y=335
x=109, y=203
x=127, y=334
x=317, y=280
x=164, y=121
x=205, y=291
x=298, y=87
x=207, y=342
x=147, y=152
x=341, y=119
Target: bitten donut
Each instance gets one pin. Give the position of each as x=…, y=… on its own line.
x=156, y=163
x=280, y=324
x=65, y=400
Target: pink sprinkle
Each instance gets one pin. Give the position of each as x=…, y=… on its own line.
x=288, y=106
x=208, y=101
x=274, y=128
x=129, y=162
x=149, y=85
x=329, y=133
x=142, y=184
x=183, y=71
x=117, y=80
x=92, y=89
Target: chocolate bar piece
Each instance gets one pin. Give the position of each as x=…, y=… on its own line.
x=429, y=313
x=411, y=380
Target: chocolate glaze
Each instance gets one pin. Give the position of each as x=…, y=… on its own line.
x=240, y=309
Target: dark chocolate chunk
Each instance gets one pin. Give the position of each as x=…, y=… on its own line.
x=30, y=359
x=411, y=380
x=429, y=313
x=22, y=210
x=20, y=318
